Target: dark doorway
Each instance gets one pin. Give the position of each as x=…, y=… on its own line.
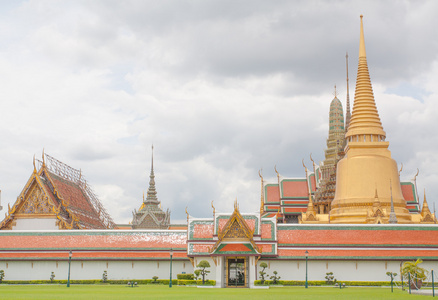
x=236, y=272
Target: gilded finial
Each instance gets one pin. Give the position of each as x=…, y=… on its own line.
x=275, y=168
x=34, y=166
x=214, y=210
x=260, y=174
x=335, y=93
x=415, y=176
x=304, y=164
x=362, y=52
x=187, y=214
x=311, y=156
x=44, y=161
x=401, y=169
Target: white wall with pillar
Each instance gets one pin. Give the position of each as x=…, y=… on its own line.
x=92, y=270
x=343, y=270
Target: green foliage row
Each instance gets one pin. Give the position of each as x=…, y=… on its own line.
x=196, y=282
x=321, y=283
x=186, y=276
x=92, y=281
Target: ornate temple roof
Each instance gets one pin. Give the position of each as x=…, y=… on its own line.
x=58, y=191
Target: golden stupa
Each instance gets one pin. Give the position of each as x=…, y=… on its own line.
x=367, y=177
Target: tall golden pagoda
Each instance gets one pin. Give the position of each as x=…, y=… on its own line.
x=366, y=173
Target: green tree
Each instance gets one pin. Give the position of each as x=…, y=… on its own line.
x=2, y=275
x=203, y=264
x=197, y=273
x=414, y=271
x=330, y=278
x=275, y=278
x=52, y=277
x=105, y=276
x=262, y=272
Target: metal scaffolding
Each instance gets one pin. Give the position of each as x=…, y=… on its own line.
x=65, y=171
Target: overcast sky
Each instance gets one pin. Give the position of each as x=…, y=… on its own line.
x=220, y=88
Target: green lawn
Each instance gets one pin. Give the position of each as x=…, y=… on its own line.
x=95, y=292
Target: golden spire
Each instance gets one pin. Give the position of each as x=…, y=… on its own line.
x=425, y=210
x=347, y=112
x=365, y=118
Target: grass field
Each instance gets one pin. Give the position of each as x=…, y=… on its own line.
x=95, y=292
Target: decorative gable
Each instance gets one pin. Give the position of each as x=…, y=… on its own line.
x=233, y=234
x=35, y=202
x=235, y=231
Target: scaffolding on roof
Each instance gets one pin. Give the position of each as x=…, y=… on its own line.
x=68, y=173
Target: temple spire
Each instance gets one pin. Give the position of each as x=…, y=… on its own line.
x=152, y=193
x=347, y=112
x=425, y=210
x=365, y=120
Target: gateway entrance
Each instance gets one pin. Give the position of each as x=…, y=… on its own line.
x=236, y=272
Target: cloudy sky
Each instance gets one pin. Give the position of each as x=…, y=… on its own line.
x=220, y=88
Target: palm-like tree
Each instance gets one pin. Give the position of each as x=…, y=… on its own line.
x=415, y=272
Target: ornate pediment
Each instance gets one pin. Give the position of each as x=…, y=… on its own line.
x=234, y=230
x=35, y=202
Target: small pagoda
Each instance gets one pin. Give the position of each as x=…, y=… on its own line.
x=150, y=215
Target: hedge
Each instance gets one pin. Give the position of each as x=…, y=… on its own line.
x=196, y=282
x=320, y=283
x=185, y=276
x=99, y=281
x=93, y=281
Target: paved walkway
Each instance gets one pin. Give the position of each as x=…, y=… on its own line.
x=427, y=292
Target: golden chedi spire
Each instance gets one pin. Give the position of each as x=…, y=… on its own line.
x=367, y=167
x=365, y=117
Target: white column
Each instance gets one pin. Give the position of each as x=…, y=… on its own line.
x=219, y=271
x=252, y=271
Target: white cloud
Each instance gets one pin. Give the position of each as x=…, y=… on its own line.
x=221, y=89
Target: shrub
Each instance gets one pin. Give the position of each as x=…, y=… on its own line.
x=185, y=276
x=105, y=276
x=52, y=277
x=155, y=278
x=2, y=275
x=196, y=282
x=262, y=272
x=203, y=264
x=197, y=273
x=330, y=278
x=275, y=278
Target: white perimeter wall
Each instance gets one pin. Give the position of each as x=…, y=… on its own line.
x=41, y=270
x=287, y=269
x=343, y=270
